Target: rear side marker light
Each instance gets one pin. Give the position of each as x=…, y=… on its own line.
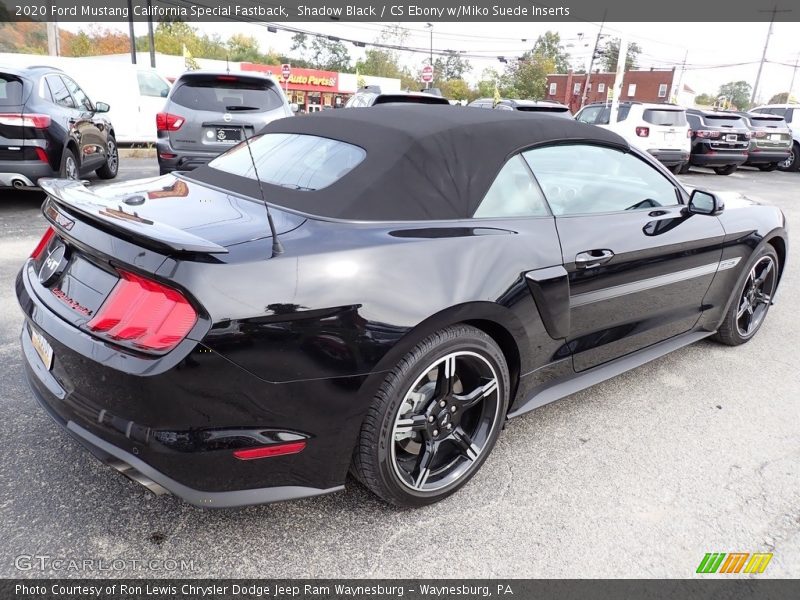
x=144, y=314
x=269, y=451
x=48, y=235
x=167, y=155
x=643, y=131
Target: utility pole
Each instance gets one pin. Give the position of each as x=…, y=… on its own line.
x=430, y=26
x=794, y=72
x=53, y=41
x=150, y=37
x=679, y=87
x=591, y=60
x=131, y=32
x=774, y=11
x=619, y=79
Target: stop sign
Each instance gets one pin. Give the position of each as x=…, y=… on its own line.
x=427, y=73
x=286, y=71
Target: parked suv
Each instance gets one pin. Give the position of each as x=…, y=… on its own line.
x=540, y=106
x=720, y=140
x=660, y=129
x=770, y=140
x=372, y=95
x=50, y=128
x=790, y=114
x=208, y=112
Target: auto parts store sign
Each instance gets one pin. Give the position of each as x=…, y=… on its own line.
x=309, y=80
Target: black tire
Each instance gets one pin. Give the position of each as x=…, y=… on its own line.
x=677, y=169
x=736, y=329
x=684, y=168
x=70, y=168
x=768, y=167
x=111, y=166
x=793, y=162
x=382, y=452
x=726, y=170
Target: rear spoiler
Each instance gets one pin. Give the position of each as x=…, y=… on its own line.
x=113, y=214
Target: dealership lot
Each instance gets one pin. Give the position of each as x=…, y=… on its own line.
x=637, y=477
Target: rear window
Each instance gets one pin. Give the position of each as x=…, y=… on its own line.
x=672, y=118
x=299, y=162
x=550, y=109
x=226, y=94
x=10, y=90
x=767, y=121
x=723, y=121
x=389, y=98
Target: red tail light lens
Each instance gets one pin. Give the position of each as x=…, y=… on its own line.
x=705, y=133
x=48, y=235
x=643, y=131
x=758, y=134
x=41, y=154
x=169, y=122
x=268, y=451
x=144, y=314
x=689, y=133
x=25, y=120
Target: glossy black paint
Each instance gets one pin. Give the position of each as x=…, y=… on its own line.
x=81, y=127
x=295, y=346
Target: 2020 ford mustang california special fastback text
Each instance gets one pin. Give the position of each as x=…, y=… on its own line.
x=434, y=272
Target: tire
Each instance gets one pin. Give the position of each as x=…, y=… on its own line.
x=70, y=169
x=111, y=167
x=684, y=168
x=726, y=170
x=749, y=308
x=769, y=167
x=792, y=163
x=677, y=169
x=408, y=424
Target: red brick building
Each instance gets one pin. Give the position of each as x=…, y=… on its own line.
x=654, y=85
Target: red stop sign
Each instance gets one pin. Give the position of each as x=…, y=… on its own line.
x=427, y=73
x=286, y=71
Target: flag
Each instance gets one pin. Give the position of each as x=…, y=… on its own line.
x=496, y=95
x=188, y=60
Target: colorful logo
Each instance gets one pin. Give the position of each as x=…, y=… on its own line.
x=734, y=562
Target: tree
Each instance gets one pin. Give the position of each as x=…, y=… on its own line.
x=449, y=67
x=455, y=89
x=704, y=99
x=609, y=54
x=244, y=48
x=549, y=46
x=385, y=62
x=526, y=78
x=737, y=93
x=782, y=98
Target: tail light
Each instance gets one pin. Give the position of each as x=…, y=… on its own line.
x=169, y=122
x=689, y=133
x=758, y=134
x=48, y=235
x=144, y=314
x=41, y=154
x=268, y=451
x=643, y=131
x=25, y=120
x=705, y=133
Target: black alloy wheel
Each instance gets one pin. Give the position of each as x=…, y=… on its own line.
x=749, y=309
x=69, y=165
x=791, y=163
x=111, y=166
x=435, y=419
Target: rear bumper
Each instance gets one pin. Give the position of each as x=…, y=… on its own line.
x=170, y=159
x=23, y=173
x=670, y=158
x=718, y=159
x=763, y=157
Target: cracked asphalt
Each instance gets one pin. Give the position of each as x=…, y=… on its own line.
x=637, y=477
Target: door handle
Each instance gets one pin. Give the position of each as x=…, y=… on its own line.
x=593, y=258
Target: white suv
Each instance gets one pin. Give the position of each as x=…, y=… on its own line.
x=790, y=114
x=660, y=129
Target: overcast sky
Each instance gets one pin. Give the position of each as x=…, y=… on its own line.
x=663, y=45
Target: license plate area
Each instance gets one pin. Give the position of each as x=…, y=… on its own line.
x=731, y=137
x=42, y=347
x=228, y=135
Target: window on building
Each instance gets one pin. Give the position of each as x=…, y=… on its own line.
x=553, y=89
x=662, y=90
x=601, y=87
x=588, y=87
x=631, y=89
x=576, y=89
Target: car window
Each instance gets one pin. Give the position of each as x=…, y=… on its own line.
x=514, y=193
x=694, y=121
x=59, y=91
x=10, y=90
x=151, y=84
x=724, y=121
x=226, y=93
x=590, y=114
x=789, y=114
x=77, y=93
x=671, y=118
x=582, y=178
x=299, y=162
x=503, y=107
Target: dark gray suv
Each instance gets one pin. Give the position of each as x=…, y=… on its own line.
x=208, y=112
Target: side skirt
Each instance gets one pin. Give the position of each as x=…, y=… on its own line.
x=560, y=388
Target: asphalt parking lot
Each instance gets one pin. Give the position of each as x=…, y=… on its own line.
x=637, y=477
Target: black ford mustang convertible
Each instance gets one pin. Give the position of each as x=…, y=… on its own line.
x=433, y=272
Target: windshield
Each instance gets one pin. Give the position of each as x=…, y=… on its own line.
x=226, y=93
x=299, y=162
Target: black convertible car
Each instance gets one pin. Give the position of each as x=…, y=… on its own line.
x=433, y=273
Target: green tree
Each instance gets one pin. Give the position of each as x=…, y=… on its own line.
x=548, y=45
x=455, y=89
x=704, y=99
x=782, y=98
x=737, y=92
x=609, y=54
x=448, y=67
x=526, y=78
x=244, y=48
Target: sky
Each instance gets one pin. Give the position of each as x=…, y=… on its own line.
x=704, y=46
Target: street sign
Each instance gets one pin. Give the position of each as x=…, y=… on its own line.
x=286, y=71
x=427, y=74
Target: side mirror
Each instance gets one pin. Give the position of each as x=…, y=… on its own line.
x=101, y=107
x=294, y=107
x=164, y=93
x=704, y=203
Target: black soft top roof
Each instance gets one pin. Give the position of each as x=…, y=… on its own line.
x=422, y=162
